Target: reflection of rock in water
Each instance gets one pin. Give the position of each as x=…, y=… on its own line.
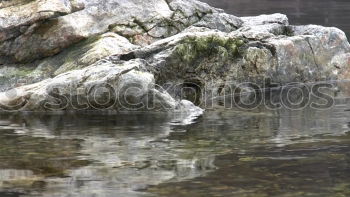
x=302, y=169
x=13, y=176
x=26, y=161
x=302, y=149
x=128, y=151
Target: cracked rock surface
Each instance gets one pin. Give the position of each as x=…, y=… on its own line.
x=169, y=45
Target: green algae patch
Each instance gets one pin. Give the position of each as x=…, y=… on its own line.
x=22, y=72
x=8, y=73
x=194, y=48
x=342, y=190
x=251, y=159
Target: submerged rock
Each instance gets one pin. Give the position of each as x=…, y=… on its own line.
x=171, y=50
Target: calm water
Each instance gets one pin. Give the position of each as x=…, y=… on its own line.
x=226, y=152
x=334, y=13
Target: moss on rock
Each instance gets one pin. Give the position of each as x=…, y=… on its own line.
x=193, y=48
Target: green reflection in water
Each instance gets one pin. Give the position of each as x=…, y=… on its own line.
x=303, y=169
x=26, y=161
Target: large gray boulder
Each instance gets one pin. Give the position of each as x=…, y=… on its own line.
x=214, y=62
x=177, y=50
x=101, y=86
x=43, y=28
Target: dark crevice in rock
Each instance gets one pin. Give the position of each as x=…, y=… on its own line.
x=275, y=22
x=336, y=66
x=192, y=90
x=271, y=48
x=313, y=52
x=128, y=56
x=288, y=31
x=142, y=53
x=116, y=78
x=140, y=24
x=261, y=44
x=199, y=15
x=168, y=2
x=232, y=25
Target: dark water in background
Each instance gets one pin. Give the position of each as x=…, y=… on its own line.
x=227, y=152
x=334, y=13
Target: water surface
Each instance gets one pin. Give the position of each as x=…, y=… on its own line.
x=331, y=13
x=227, y=152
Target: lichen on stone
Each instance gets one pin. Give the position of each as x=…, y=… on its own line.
x=193, y=48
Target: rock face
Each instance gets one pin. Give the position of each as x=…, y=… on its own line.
x=77, y=56
x=171, y=50
x=92, y=85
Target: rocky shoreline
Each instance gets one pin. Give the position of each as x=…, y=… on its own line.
x=138, y=55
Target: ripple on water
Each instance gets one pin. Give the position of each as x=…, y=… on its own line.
x=224, y=153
